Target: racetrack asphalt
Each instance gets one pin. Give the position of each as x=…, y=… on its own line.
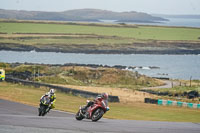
x=20, y=118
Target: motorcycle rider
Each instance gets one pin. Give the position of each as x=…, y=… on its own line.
x=99, y=98
x=52, y=96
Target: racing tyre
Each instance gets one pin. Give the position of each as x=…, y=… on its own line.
x=42, y=111
x=79, y=116
x=97, y=115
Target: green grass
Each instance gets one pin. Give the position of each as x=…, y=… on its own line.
x=142, y=32
x=66, y=102
x=139, y=111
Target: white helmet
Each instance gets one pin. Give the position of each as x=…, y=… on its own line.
x=52, y=91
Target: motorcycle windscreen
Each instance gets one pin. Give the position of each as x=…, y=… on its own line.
x=45, y=100
x=104, y=103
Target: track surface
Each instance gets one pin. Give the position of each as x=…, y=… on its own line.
x=167, y=84
x=20, y=118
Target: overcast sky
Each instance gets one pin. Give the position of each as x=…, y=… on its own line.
x=147, y=6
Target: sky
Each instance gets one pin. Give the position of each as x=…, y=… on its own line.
x=147, y=6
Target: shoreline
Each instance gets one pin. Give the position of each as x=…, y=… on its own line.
x=126, y=52
x=87, y=50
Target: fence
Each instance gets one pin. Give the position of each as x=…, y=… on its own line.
x=75, y=92
x=172, y=103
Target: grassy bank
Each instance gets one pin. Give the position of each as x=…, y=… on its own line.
x=130, y=111
x=80, y=76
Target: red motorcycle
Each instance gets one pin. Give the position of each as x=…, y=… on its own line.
x=94, y=112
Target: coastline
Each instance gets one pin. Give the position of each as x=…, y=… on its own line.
x=104, y=51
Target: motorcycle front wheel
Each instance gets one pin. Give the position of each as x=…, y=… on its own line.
x=97, y=114
x=42, y=111
x=79, y=116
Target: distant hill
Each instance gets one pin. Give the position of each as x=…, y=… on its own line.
x=94, y=15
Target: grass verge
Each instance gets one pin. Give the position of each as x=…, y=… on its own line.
x=130, y=111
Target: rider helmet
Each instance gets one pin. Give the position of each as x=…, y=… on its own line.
x=104, y=96
x=52, y=91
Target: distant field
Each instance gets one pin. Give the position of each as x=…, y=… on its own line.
x=141, y=32
x=96, y=38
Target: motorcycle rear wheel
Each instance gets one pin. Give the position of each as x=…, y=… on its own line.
x=79, y=116
x=40, y=112
x=97, y=115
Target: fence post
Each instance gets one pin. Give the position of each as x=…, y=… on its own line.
x=190, y=81
x=172, y=84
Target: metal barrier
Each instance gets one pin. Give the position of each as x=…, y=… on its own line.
x=75, y=92
x=172, y=103
x=178, y=103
